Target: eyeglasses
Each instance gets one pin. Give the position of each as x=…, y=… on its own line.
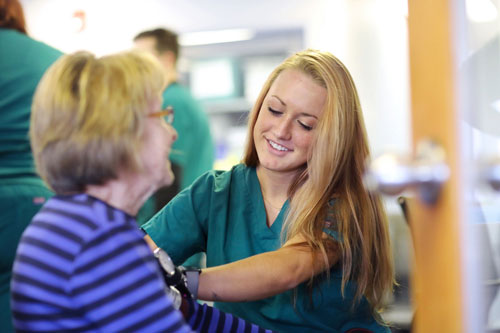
x=168, y=113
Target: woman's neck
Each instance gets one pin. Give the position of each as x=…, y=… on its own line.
x=126, y=193
x=274, y=186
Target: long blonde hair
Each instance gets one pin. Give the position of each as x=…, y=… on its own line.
x=334, y=170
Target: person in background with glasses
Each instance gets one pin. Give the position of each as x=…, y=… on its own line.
x=102, y=145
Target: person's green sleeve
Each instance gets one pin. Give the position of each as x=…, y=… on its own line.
x=180, y=228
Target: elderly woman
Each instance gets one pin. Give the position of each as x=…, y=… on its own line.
x=101, y=143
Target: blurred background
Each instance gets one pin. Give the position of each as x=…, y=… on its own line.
x=230, y=46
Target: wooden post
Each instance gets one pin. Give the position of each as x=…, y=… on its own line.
x=436, y=280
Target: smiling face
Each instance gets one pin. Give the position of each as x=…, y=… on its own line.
x=287, y=118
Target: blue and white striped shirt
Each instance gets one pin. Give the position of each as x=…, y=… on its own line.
x=83, y=266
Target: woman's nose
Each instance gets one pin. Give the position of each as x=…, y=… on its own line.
x=172, y=132
x=283, y=129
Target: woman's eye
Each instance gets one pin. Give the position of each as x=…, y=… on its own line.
x=275, y=112
x=304, y=126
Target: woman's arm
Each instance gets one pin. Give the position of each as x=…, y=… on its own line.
x=265, y=274
x=262, y=275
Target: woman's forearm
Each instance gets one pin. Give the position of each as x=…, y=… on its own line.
x=261, y=276
x=256, y=277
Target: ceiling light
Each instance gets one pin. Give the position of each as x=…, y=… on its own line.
x=481, y=10
x=215, y=37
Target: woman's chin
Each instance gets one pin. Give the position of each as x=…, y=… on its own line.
x=169, y=177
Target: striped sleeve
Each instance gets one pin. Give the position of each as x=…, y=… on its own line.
x=117, y=284
x=203, y=318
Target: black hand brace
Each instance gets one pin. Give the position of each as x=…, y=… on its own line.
x=182, y=279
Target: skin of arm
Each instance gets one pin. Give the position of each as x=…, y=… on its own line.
x=262, y=275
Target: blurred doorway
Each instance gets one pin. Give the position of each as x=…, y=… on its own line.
x=454, y=102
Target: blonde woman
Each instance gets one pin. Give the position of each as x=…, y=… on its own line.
x=301, y=179
x=101, y=142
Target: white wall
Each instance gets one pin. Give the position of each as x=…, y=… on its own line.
x=369, y=36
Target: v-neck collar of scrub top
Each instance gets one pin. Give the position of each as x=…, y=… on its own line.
x=259, y=210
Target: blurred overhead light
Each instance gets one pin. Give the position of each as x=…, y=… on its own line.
x=215, y=37
x=78, y=21
x=481, y=10
x=403, y=7
x=496, y=105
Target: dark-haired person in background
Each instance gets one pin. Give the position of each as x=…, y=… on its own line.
x=23, y=61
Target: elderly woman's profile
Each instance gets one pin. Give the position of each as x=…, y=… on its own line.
x=101, y=143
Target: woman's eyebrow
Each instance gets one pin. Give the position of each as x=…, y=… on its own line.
x=305, y=114
x=302, y=113
x=279, y=99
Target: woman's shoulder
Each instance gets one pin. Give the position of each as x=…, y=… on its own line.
x=239, y=169
x=225, y=178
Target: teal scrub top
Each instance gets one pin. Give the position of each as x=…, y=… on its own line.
x=223, y=214
x=23, y=61
x=194, y=149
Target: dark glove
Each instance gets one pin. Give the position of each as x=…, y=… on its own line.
x=175, y=276
x=192, y=279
